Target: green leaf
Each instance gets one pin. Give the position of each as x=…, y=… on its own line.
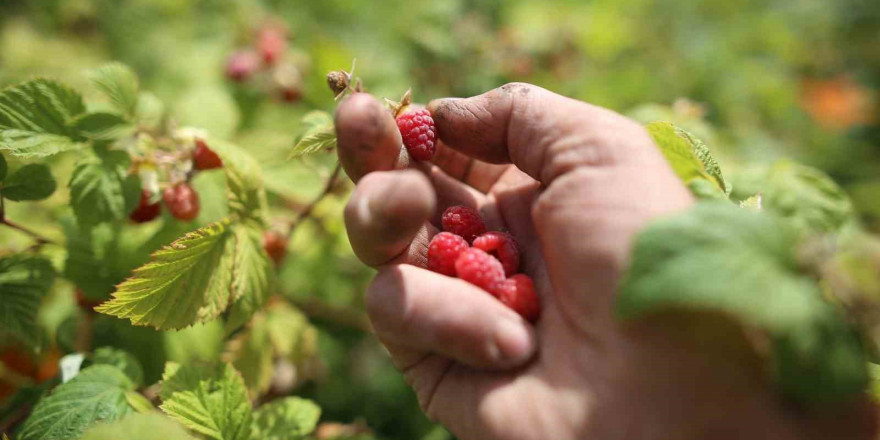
x=30, y=182
x=689, y=157
x=120, y=84
x=189, y=281
x=285, y=419
x=3, y=168
x=96, y=394
x=103, y=126
x=31, y=144
x=95, y=261
x=36, y=117
x=102, y=190
x=252, y=355
x=253, y=282
x=319, y=134
x=244, y=178
x=717, y=257
x=805, y=196
x=152, y=426
x=24, y=281
x=211, y=400
x=138, y=402
x=120, y=359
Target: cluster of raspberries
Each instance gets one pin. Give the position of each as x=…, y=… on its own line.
x=488, y=260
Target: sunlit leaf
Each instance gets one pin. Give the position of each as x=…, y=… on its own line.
x=689, y=157
x=36, y=118
x=319, y=135
x=153, y=426
x=120, y=84
x=285, y=419
x=102, y=189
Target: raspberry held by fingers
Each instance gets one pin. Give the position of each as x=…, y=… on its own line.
x=479, y=269
x=503, y=246
x=518, y=293
x=463, y=221
x=443, y=251
x=419, y=133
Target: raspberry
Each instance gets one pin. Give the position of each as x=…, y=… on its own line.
x=463, y=221
x=290, y=94
x=518, y=293
x=479, y=269
x=182, y=201
x=419, y=133
x=241, y=65
x=443, y=251
x=271, y=44
x=275, y=245
x=502, y=246
x=204, y=158
x=145, y=211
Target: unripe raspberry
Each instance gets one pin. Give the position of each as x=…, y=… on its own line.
x=419, y=133
x=241, y=65
x=479, y=269
x=443, y=251
x=204, y=158
x=145, y=210
x=182, y=201
x=502, y=246
x=271, y=44
x=518, y=293
x=275, y=244
x=463, y=221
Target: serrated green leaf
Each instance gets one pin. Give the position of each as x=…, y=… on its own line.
x=24, y=281
x=244, y=178
x=102, y=190
x=3, y=168
x=252, y=283
x=289, y=418
x=152, y=426
x=805, y=196
x=36, y=116
x=189, y=281
x=95, y=260
x=689, y=157
x=120, y=359
x=31, y=144
x=319, y=134
x=719, y=257
x=30, y=182
x=252, y=355
x=103, y=127
x=120, y=84
x=753, y=203
x=211, y=400
x=96, y=394
x=138, y=402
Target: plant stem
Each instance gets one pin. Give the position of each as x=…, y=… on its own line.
x=307, y=211
x=39, y=238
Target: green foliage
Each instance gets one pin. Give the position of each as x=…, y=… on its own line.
x=139, y=427
x=722, y=258
x=30, y=182
x=210, y=400
x=290, y=418
x=36, y=118
x=690, y=159
x=102, y=190
x=3, y=168
x=319, y=135
x=122, y=360
x=120, y=85
x=803, y=195
x=24, y=281
x=96, y=394
x=102, y=126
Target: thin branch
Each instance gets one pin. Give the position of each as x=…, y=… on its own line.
x=307, y=211
x=39, y=238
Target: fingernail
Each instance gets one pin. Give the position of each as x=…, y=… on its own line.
x=515, y=341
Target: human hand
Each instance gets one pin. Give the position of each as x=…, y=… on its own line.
x=573, y=183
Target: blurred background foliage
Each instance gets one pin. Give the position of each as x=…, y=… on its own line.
x=757, y=80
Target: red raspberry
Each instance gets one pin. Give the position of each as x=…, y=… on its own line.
x=204, y=158
x=145, y=211
x=275, y=244
x=502, y=246
x=518, y=293
x=419, y=133
x=241, y=65
x=463, y=221
x=443, y=251
x=290, y=94
x=271, y=44
x=479, y=269
x=182, y=201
